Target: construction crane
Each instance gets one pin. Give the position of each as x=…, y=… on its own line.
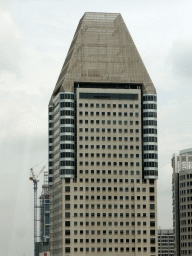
x=33, y=177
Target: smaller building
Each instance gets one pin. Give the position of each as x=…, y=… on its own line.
x=44, y=211
x=41, y=247
x=165, y=242
x=182, y=197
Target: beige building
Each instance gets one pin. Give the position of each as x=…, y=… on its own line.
x=182, y=198
x=103, y=145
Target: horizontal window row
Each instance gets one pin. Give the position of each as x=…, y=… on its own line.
x=150, y=156
x=67, y=105
x=152, y=206
x=109, y=180
x=150, y=131
x=97, y=105
x=105, y=232
x=108, y=96
x=67, y=198
x=151, y=173
x=120, y=172
x=110, y=249
x=110, y=206
x=150, y=147
x=149, y=114
x=114, y=122
x=109, y=147
x=66, y=171
x=67, y=129
x=150, y=122
x=67, y=163
x=66, y=96
x=109, y=189
x=67, y=154
x=108, y=155
x=144, y=181
x=150, y=164
x=67, y=113
x=108, y=130
x=98, y=232
x=67, y=146
x=67, y=240
x=152, y=215
x=67, y=137
x=67, y=121
x=149, y=106
x=92, y=138
x=149, y=98
x=107, y=113
x=109, y=215
x=151, y=190
x=149, y=139
x=108, y=163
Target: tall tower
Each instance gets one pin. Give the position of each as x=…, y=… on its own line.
x=103, y=145
x=182, y=197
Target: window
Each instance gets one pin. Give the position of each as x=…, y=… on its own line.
x=67, y=197
x=67, y=249
x=67, y=223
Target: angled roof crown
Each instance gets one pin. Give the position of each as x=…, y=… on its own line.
x=102, y=50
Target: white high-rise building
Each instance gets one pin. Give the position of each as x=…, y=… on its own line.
x=103, y=146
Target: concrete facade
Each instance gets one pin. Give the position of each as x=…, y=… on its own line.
x=103, y=145
x=182, y=197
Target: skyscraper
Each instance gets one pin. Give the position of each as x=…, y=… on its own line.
x=103, y=145
x=182, y=197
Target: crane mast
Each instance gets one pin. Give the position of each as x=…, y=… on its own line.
x=35, y=186
x=35, y=209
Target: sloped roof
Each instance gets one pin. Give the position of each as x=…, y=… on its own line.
x=102, y=50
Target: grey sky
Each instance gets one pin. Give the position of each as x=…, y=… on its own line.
x=34, y=39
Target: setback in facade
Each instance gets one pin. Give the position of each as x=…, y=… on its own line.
x=103, y=145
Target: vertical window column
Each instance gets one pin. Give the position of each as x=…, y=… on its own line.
x=67, y=135
x=50, y=144
x=150, y=156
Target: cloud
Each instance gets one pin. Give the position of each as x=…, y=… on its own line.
x=180, y=58
x=22, y=114
x=12, y=50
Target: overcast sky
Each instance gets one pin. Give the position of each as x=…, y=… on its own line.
x=34, y=38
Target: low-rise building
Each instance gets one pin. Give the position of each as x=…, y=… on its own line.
x=165, y=242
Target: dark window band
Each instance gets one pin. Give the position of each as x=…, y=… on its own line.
x=109, y=96
x=67, y=96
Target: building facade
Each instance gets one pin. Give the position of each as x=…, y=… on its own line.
x=103, y=165
x=182, y=201
x=165, y=242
